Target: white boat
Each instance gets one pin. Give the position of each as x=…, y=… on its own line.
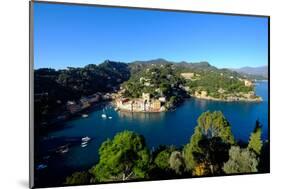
x=86, y=139
x=64, y=150
x=84, y=145
x=85, y=115
x=103, y=115
x=109, y=117
x=41, y=166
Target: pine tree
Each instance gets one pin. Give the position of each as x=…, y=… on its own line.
x=125, y=157
x=209, y=125
x=255, y=142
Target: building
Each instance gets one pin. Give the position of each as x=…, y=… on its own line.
x=204, y=93
x=201, y=94
x=162, y=99
x=188, y=75
x=72, y=107
x=248, y=83
x=147, y=84
x=85, y=103
x=146, y=96
x=155, y=105
x=144, y=104
x=221, y=91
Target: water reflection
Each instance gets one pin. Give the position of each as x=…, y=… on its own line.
x=141, y=117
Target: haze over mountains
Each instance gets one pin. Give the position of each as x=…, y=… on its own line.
x=259, y=71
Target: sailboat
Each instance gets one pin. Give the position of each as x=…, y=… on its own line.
x=103, y=115
x=84, y=115
x=86, y=139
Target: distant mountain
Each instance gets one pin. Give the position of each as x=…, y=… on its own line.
x=256, y=71
x=203, y=65
x=154, y=61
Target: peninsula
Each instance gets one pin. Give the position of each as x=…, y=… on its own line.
x=141, y=86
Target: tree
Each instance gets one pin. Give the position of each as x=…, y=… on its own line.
x=78, y=178
x=255, y=142
x=210, y=125
x=162, y=159
x=214, y=124
x=176, y=162
x=240, y=161
x=125, y=157
x=191, y=148
x=213, y=154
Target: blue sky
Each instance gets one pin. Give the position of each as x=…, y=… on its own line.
x=68, y=35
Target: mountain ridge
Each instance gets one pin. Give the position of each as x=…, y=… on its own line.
x=258, y=71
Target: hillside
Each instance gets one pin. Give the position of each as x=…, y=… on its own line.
x=159, y=78
x=201, y=80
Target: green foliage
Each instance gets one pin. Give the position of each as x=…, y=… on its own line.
x=214, y=124
x=123, y=158
x=78, y=178
x=255, y=142
x=214, y=152
x=214, y=80
x=176, y=162
x=191, y=148
x=240, y=161
x=158, y=81
x=93, y=78
x=211, y=151
x=51, y=86
x=162, y=159
x=210, y=125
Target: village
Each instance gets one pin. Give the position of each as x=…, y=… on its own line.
x=144, y=104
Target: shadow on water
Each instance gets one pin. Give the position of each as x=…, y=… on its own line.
x=141, y=116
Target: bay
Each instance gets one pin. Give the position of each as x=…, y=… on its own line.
x=167, y=128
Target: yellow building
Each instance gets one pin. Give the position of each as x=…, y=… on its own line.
x=248, y=83
x=155, y=105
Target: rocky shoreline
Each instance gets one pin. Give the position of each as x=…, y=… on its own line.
x=229, y=99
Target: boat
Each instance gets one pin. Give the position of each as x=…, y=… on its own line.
x=86, y=139
x=84, y=145
x=109, y=117
x=64, y=150
x=103, y=115
x=85, y=115
x=41, y=166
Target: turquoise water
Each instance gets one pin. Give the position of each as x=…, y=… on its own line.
x=168, y=128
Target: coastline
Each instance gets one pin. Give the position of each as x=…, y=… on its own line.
x=230, y=99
